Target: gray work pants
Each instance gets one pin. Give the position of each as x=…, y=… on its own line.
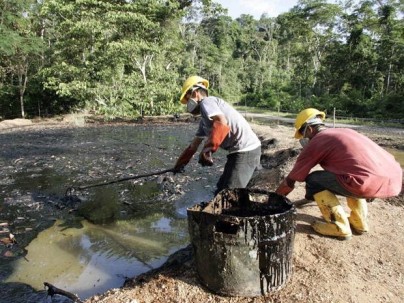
x=239, y=169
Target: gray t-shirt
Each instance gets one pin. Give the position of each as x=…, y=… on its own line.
x=241, y=137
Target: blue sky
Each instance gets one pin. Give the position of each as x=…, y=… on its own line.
x=256, y=7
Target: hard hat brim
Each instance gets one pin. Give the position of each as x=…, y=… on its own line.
x=298, y=135
x=182, y=99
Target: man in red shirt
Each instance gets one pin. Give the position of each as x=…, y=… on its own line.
x=353, y=166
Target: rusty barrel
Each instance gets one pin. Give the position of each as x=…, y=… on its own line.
x=243, y=241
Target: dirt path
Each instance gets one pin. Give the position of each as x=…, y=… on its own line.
x=368, y=268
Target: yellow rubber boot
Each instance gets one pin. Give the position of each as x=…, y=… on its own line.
x=337, y=224
x=359, y=214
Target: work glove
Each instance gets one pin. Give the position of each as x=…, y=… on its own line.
x=183, y=159
x=205, y=159
x=285, y=187
x=218, y=134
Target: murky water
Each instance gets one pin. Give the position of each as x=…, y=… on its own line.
x=118, y=231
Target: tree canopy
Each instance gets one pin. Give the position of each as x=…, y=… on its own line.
x=123, y=58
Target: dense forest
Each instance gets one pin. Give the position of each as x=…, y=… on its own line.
x=126, y=58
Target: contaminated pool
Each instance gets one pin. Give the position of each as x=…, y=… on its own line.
x=93, y=241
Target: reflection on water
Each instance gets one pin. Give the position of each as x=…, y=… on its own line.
x=96, y=258
x=129, y=228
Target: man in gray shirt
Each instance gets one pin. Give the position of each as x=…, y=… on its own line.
x=220, y=126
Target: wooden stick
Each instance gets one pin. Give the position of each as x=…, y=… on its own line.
x=71, y=189
x=301, y=202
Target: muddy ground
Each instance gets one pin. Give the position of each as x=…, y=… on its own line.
x=367, y=268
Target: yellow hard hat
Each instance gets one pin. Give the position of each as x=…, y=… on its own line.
x=304, y=116
x=189, y=83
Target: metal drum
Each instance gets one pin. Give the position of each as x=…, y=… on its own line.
x=243, y=241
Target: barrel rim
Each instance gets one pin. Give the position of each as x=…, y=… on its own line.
x=191, y=210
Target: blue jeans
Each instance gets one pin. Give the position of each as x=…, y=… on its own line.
x=239, y=169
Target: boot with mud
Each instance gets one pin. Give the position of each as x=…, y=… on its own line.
x=359, y=214
x=337, y=224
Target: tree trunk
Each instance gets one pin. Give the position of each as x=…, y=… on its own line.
x=142, y=65
x=22, y=85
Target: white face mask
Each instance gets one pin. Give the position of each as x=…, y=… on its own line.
x=304, y=141
x=193, y=106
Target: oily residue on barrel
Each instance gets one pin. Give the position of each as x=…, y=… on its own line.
x=249, y=235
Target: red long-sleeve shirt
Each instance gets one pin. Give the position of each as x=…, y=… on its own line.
x=362, y=167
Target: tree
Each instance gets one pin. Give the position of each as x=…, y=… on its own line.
x=308, y=30
x=20, y=48
x=108, y=65
x=134, y=58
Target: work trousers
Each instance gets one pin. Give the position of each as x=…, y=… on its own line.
x=239, y=169
x=318, y=181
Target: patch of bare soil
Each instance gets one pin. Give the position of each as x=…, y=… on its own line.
x=368, y=268
x=5, y=124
